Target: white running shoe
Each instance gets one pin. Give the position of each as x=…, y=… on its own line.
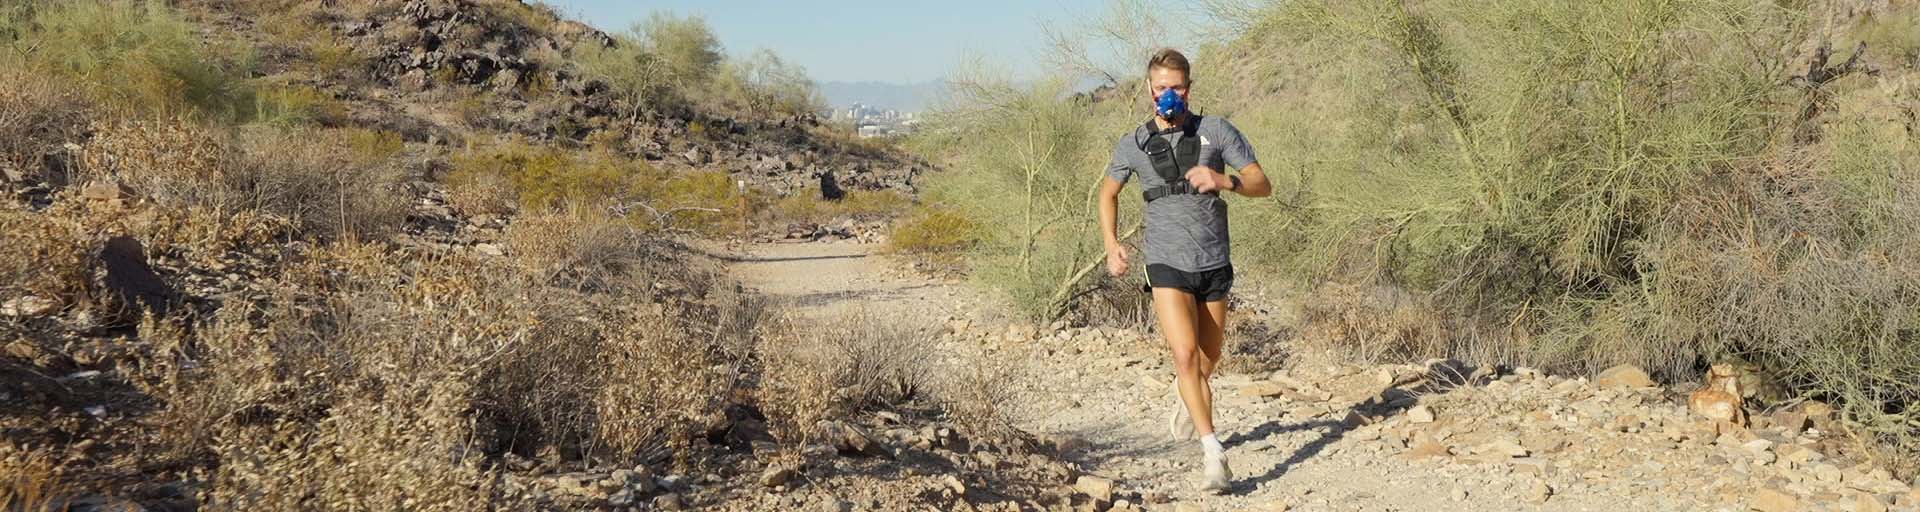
x=1179, y=426
x=1215, y=476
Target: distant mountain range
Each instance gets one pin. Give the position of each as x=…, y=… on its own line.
x=911, y=97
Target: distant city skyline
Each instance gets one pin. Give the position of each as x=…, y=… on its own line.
x=862, y=40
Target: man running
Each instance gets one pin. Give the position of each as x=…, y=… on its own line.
x=1179, y=158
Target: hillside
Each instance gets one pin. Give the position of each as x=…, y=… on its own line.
x=424, y=254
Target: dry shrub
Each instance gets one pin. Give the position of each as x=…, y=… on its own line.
x=1115, y=302
x=1372, y=324
x=133, y=56
x=43, y=257
x=327, y=183
x=975, y=394
x=482, y=194
x=807, y=206
x=374, y=396
x=577, y=249
x=815, y=370
x=37, y=114
x=662, y=382
x=360, y=382
x=174, y=162
x=30, y=481
x=937, y=235
x=540, y=177
x=398, y=451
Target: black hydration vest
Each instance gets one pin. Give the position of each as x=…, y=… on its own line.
x=1171, y=160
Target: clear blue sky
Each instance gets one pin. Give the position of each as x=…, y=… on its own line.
x=854, y=40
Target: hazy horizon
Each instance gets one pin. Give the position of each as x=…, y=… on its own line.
x=863, y=40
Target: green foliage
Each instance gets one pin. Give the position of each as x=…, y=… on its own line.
x=938, y=234
x=1528, y=169
x=661, y=55
x=764, y=85
x=295, y=105
x=540, y=178
x=135, y=56
x=543, y=177
x=670, y=60
x=1561, y=184
x=687, y=52
x=626, y=66
x=1024, y=158
x=703, y=201
x=807, y=206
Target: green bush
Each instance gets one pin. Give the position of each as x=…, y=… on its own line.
x=663, y=54
x=669, y=60
x=626, y=67
x=543, y=177
x=1026, y=159
x=134, y=56
x=296, y=105
x=937, y=234
x=687, y=51
x=807, y=206
x=1560, y=184
x=539, y=178
x=764, y=85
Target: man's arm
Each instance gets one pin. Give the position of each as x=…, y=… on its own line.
x=1110, y=226
x=1236, y=152
x=1253, y=181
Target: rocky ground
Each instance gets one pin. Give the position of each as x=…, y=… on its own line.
x=1306, y=433
x=1305, y=430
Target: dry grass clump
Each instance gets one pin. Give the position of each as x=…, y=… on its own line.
x=132, y=56
x=934, y=232
x=1373, y=324
x=807, y=206
x=30, y=481
x=976, y=393
x=537, y=178
x=44, y=258
x=815, y=370
x=37, y=114
x=326, y=182
x=360, y=382
x=581, y=250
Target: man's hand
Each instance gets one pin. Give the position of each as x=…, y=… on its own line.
x=1116, y=260
x=1207, y=180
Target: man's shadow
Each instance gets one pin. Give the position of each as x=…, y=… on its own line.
x=1377, y=408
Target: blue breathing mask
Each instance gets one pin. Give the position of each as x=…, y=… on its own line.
x=1170, y=105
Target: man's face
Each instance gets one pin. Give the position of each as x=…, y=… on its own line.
x=1161, y=79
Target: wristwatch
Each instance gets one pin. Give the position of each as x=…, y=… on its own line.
x=1236, y=182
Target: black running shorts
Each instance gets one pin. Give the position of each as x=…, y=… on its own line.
x=1206, y=285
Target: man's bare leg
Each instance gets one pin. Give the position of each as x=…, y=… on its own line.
x=1176, y=312
x=1212, y=334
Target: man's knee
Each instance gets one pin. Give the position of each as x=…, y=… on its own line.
x=1187, y=358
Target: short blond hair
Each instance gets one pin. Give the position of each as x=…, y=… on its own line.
x=1171, y=59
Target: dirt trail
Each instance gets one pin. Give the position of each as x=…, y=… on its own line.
x=1106, y=389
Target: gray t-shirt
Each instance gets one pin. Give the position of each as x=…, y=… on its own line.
x=1184, y=231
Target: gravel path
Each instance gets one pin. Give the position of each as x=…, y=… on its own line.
x=1106, y=391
